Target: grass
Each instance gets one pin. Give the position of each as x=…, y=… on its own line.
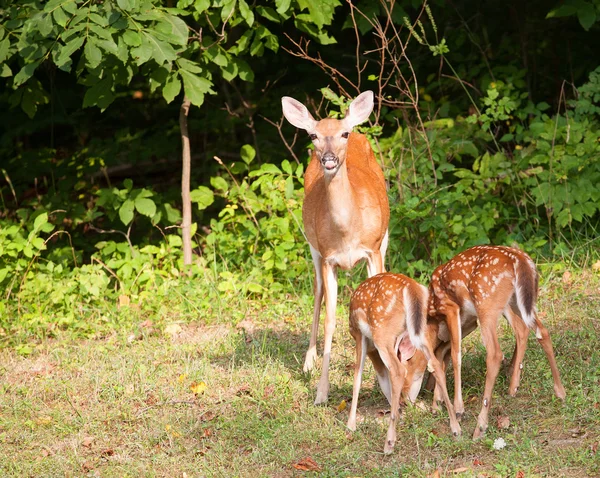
x=123, y=403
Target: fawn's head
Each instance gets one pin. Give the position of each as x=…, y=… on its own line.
x=329, y=136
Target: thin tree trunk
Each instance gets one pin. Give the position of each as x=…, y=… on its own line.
x=186, y=224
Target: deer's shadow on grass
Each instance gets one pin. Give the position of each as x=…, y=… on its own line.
x=263, y=345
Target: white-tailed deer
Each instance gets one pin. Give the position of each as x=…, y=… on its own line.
x=388, y=318
x=345, y=211
x=481, y=284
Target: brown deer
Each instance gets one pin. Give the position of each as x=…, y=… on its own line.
x=481, y=284
x=388, y=319
x=345, y=211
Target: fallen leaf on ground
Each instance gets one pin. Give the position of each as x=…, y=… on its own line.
x=182, y=378
x=477, y=462
x=87, y=442
x=243, y=390
x=124, y=300
x=566, y=278
x=87, y=466
x=173, y=329
x=520, y=474
x=107, y=452
x=197, y=388
x=503, y=422
x=146, y=324
x=461, y=469
x=594, y=447
x=435, y=474
x=342, y=406
x=596, y=265
x=47, y=452
x=307, y=464
x=43, y=420
x=207, y=433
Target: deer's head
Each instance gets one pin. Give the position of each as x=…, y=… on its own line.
x=329, y=136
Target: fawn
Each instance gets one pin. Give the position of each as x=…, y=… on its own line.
x=388, y=318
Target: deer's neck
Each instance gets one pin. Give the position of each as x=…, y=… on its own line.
x=340, y=200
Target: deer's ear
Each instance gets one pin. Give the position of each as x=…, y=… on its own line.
x=297, y=114
x=359, y=110
x=406, y=348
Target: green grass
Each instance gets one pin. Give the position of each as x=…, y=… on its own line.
x=120, y=404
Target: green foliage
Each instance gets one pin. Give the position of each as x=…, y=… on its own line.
x=107, y=44
x=586, y=11
x=492, y=152
x=257, y=235
x=542, y=183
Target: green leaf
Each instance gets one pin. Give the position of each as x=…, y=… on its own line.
x=268, y=13
x=60, y=17
x=108, y=46
x=93, y=54
x=286, y=166
x=283, y=6
x=227, y=10
x=132, y=38
x=217, y=55
x=162, y=51
x=257, y=48
x=4, y=47
x=38, y=243
x=289, y=187
x=230, y=71
x=201, y=5
x=128, y=184
x=5, y=72
x=145, y=206
x=203, y=196
x=126, y=211
x=195, y=87
x=44, y=24
x=26, y=73
x=67, y=50
x=172, y=88
x=219, y=183
x=562, y=11
x=245, y=72
x=179, y=29
x=126, y=4
x=142, y=53
x=586, y=13
x=40, y=221
x=247, y=153
x=100, y=94
x=188, y=65
x=173, y=215
x=53, y=4
x=246, y=13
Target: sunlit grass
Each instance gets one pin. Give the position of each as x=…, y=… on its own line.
x=120, y=402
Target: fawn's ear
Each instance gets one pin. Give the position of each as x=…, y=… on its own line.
x=297, y=114
x=406, y=348
x=359, y=110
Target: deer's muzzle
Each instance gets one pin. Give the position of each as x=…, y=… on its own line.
x=329, y=161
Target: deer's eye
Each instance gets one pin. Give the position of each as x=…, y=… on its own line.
x=345, y=135
x=313, y=136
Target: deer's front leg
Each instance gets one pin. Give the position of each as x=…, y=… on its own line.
x=311, y=353
x=329, y=273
